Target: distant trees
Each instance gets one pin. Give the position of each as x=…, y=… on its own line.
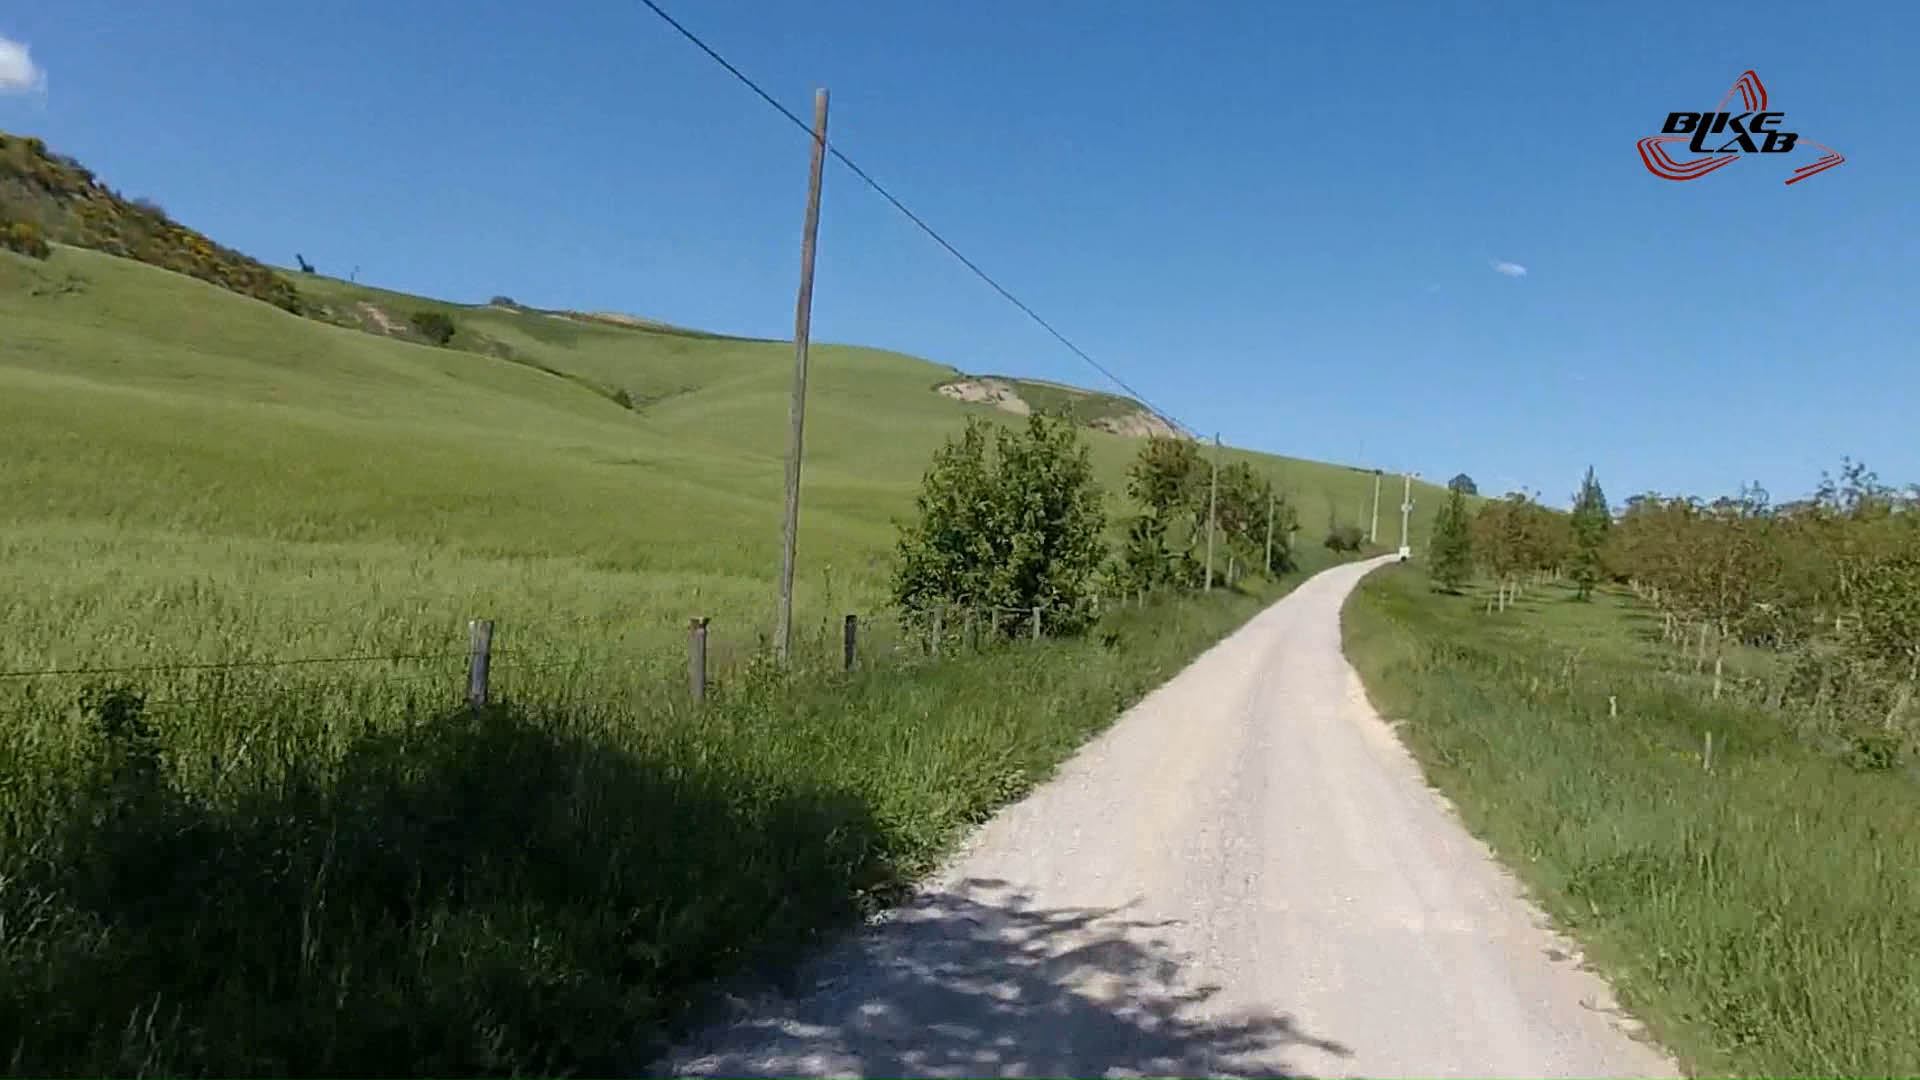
x=1463, y=484
x=435, y=326
x=1450, y=556
x=1006, y=519
x=1590, y=521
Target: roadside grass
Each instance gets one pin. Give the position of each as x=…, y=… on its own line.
x=333, y=875
x=1763, y=918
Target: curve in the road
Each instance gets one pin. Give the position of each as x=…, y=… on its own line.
x=1245, y=876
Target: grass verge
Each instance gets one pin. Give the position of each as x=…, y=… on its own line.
x=343, y=879
x=1763, y=918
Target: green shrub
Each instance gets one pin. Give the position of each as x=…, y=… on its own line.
x=1345, y=538
x=435, y=326
x=25, y=238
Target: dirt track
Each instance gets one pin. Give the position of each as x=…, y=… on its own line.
x=1246, y=876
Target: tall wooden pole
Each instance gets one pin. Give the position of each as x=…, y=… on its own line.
x=1213, y=499
x=1373, y=532
x=1269, y=532
x=797, y=409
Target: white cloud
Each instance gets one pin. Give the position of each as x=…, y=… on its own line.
x=18, y=73
x=1511, y=269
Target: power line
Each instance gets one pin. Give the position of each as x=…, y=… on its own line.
x=916, y=219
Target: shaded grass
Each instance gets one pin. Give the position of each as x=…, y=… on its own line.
x=1764, y=918
x=347, y=876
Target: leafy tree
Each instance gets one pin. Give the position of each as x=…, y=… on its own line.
x=1170, y=480
x=1463, y=484
x=1591, y=520
x=1451, y=553
x=1009, y=519
x=435, y=326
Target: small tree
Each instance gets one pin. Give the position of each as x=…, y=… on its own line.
x=1463, y=484
x=1451, y=554
x=1015, y=525
x=435, y=326
x=1591, y=520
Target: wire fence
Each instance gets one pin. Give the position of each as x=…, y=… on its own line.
x=500, y=659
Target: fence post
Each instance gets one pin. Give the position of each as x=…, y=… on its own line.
x=1036, y=621
x=939, y=617
x=970, y=641
x=697, y=657
x=852, y=629
x=993, y=621
x=479, y=660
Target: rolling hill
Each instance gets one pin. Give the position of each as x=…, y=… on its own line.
x=194, y=468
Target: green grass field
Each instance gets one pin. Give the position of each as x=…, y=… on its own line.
x=195, y=475
x=1763, y=917
x=330, y=868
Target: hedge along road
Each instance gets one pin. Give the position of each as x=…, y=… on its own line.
x=1245, y=876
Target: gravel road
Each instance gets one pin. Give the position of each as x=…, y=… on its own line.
x=1245, y=876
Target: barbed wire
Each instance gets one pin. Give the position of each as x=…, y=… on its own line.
x=133, y=669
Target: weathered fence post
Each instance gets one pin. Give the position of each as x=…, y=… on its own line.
x=970, y=641
x=1036, y=621
x=479, y=660
x=1706, y=759
x=993, y=621
x=939, y=617
x=697, y=657
x=850, y=633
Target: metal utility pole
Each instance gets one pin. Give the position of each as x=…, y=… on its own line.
x=1269, y=532
x=1373, y=531
x=1213, y=499
x=797, y=409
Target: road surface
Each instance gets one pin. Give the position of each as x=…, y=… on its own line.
x=1245, y=876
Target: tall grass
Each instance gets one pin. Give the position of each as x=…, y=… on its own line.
x=1763, y=917
x=343, y=873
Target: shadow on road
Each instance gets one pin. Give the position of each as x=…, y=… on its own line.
x=978, y=981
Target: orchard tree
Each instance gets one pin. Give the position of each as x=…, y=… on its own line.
x=1008, y=519
x=1450, y=557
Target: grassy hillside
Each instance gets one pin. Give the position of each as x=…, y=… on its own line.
x=331, y=868
x=60, y=199
x=195, y=472
x=1763, y=916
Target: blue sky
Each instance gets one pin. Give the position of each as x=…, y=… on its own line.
x=1279, y=221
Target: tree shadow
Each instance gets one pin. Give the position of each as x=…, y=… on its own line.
x=978, y=980
x=483, y=893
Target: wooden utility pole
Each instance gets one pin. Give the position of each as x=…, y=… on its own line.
x=1269, y=532
x=1213, y=499
x=1373, y=532
x=797, y=409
